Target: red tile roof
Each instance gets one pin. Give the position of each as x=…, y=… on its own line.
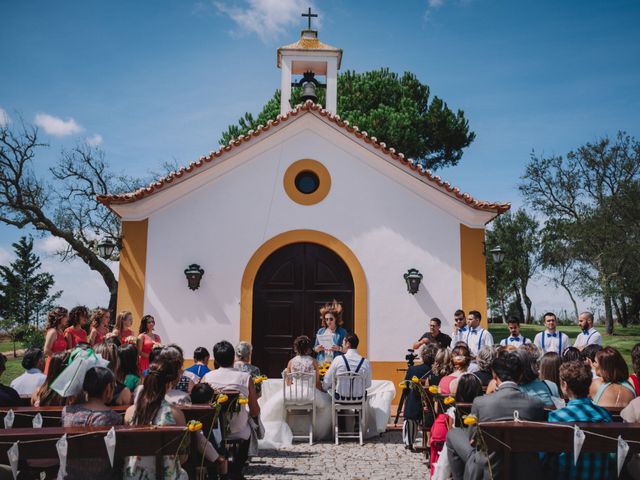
x=166, y=182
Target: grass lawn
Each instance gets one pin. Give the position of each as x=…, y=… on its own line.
x=7, y=346
x=623, y=338
x=14, y=369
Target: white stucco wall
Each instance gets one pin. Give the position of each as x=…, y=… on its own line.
x=222, y=223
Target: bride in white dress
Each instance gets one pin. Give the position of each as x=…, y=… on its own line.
x=277, y=432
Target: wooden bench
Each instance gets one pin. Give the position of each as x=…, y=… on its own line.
x=522, y=437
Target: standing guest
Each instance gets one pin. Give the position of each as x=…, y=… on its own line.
x=434, y=335
x=544, y=390
x=200, y=366
x=54, y=341
x=8, y=396
x=30, y=381
x=146, y=340
x=589, y=335
x=44, y=396
x=460, y=359
x=549, y=368
x=226, y=378
x=476, y=336
x=515, y=339
x=128, y=372
x=575, y=379
x=98, y=386
x=484, y=359
x=151, y=408
x=468, y=462
x=331, y=318
x=588, y=354
x=99, y=326
x=243, y=359
x=75, y=332
x=413, y=414
x=551, y=340
x=611, y=388
x=122, y=328
x=459, y=327
x=635, y=360
x=121, y=394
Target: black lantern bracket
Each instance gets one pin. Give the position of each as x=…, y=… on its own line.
x=413, y=278
x=194, y=274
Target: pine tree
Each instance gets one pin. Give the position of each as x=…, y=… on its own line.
x=25, y=291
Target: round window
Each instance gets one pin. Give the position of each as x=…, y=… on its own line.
x=307, y=182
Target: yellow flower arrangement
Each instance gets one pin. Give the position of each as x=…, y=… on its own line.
x=222, y=398
x=402, y=385
x=449, y=400
x=433, y=389
x=260, y=379
x=415, y=379
x=194, y=425
x=469, y=420
x=243, y=401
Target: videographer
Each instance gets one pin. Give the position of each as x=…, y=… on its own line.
x=434, y=336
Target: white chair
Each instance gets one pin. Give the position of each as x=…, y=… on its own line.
x=348, y=399
x=299, y=394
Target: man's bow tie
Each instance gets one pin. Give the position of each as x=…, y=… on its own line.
x=586, y=332
x=552, y=334
x=474, y=331
x=463, y=329
x=514, y=339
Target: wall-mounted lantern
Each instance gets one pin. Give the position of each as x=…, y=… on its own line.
x=413, y=278
x=194, y=275
x=497, y=254
x=106, y=248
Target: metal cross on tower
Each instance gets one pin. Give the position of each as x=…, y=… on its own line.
x=309, y=15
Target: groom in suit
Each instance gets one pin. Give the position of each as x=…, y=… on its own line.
x=469, y=463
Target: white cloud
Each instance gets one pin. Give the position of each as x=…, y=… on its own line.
x=4, y=117
x=6, y=256
x=50, y=245
x=267, y=18
x=57, y=126
x=94, y=140
x=435, y=3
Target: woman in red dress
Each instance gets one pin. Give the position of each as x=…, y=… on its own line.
x=146, y=341
x=54, y=340
x=75, y=332
x=99, y=326
x=122, y=329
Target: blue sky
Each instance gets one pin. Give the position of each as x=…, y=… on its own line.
x=158, y=81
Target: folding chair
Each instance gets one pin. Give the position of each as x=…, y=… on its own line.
x=299, y=394
x=348, y=400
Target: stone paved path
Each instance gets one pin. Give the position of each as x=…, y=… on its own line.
x=378, y=459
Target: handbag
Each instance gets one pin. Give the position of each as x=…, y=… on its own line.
x=70, y=381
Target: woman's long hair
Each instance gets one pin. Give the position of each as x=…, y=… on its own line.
x=97, y=315
x=442, y=365
x=163, y=372
x=128, y=365
x=143, y=323
x=44, y=394
x=333, y=308
x=76, y=313
x=122, y=316
x=109, y=352
x=55, y=317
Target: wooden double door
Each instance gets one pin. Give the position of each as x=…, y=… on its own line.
x=291, y=286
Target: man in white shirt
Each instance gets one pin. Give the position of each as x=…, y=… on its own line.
x=30, y=381
x=459, y=327
x=515, y=339
x=551, y=340
x=476, y=336
x=589, y=335
x=351, y=361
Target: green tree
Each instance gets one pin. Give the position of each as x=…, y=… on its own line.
x=395, y=109
x=518, y=236
x=592, y=197
x=25, y=291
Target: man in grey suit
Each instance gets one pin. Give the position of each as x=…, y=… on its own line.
x=467, y=462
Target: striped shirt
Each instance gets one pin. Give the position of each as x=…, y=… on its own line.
x=590, y=465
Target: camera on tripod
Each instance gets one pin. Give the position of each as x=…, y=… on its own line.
x=410, y=357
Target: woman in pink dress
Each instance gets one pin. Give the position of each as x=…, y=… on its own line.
x=99, y=326
x=54, y=340
x=75, y=332
x=146, y=341
x=122, y=329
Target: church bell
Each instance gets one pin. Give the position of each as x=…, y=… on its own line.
x=309, y=92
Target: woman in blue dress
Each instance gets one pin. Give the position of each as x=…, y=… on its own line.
x=331, y=317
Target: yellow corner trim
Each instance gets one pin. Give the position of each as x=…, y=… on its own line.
x=300, y=166
x=133, y=266
x=473, y=271
x=360, y=319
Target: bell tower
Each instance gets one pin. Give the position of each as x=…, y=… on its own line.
x=309, y=58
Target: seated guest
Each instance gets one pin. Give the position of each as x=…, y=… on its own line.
x=483, y=361
x=515, y=339
x=151, y=408
x=98, y=386
x=476, y=336
x=155, y=351
x=227, y=378
x=75, y=332
x=442, y=366
x=551, y=340
x=589, y=335
x=460, y=359
x=549, y=368
x=468, y=462
x=303, y=362
x=243, y=359
x=469, y=387
x=8, y=396
x=331, y=321
x=121, y=394
x=631, y=414
x=127, y=372
x=413, y=414
x=351, y=361
x=529, y=383
x=635, y=361
x=571, y=354
x=589, y=357
x=202, y=394
x=612, y=387
x=30, y=381
x=200, y=365
x=575, y=379
x=178, y=394
x=434, y=335
x=44, y=396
